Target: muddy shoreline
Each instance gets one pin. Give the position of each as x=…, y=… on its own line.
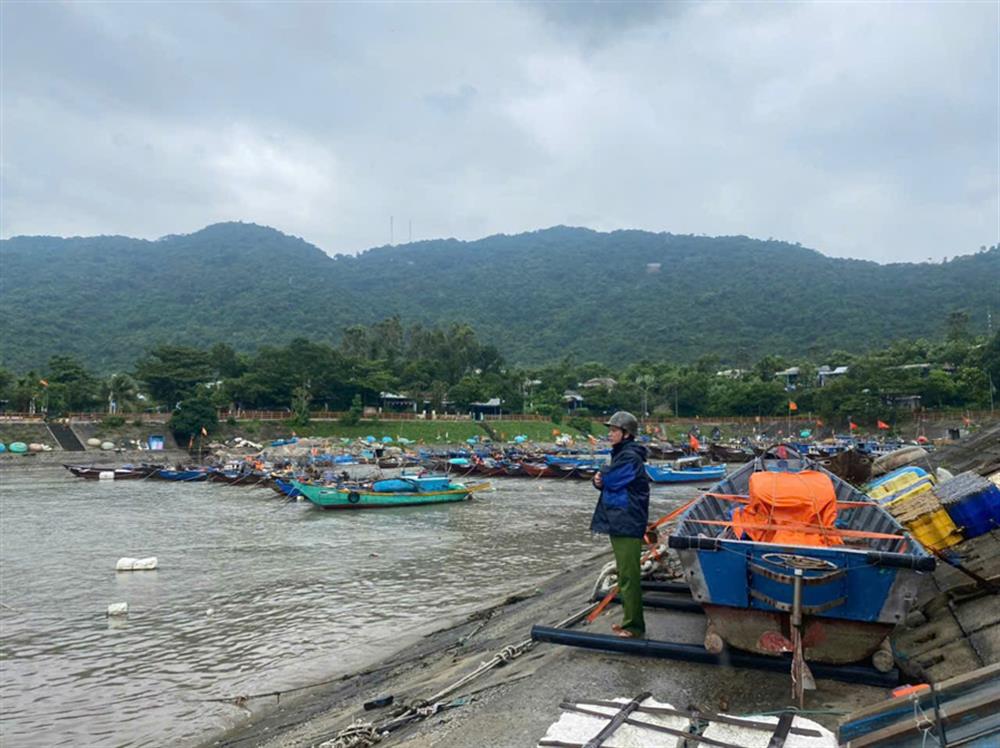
x=513, y=705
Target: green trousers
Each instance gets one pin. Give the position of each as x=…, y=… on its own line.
x=628, y=552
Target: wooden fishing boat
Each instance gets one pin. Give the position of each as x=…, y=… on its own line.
x=403, y=491
x=784, y=556
x=538, y=470
x=853, y=466
x=723, y=453
x=110, y=472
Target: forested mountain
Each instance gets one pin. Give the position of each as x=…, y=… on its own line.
x=613, y=297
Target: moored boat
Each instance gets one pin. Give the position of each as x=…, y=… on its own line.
x=110, y=472
x=685, y=470
x=186, y=476
x=391, y=492
x=784, y=556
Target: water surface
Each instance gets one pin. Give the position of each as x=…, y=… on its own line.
x=252, y=595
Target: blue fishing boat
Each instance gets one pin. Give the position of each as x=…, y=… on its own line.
x=390, y=492
x=187, y=476
x=784, y=556
x=685, y=470
x=285, y=487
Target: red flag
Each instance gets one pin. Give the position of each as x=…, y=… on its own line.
x=693, y=441
x=853, y=425
x=882, y=425
x=792, y=405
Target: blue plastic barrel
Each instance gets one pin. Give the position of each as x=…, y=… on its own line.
x=972, y=502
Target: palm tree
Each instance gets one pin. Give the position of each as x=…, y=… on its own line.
x=122, y=392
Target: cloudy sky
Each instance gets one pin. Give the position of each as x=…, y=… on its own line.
x=866, y=129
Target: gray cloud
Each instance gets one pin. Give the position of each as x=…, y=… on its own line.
x=866, y=130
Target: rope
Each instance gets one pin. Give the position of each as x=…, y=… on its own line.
x=805, y=526
x=362, y=734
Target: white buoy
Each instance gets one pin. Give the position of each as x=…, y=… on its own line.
x=93, y=442
x=126, y=563
x=118, y=609
x=107, y=445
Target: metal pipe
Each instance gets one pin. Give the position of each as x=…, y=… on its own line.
x=666, y=587
x=666, y=603
x=695, y=653
x=901, y=560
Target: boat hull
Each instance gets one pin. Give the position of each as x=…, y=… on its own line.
x=852, y=594
x=333, y=497
x=691, y=475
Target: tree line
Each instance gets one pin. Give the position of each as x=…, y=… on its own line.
x=450, y=368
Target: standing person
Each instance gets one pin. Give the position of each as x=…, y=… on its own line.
x=622, y=512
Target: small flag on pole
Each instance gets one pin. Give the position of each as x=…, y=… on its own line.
x=853, y=425
x=693, y=441
x=792, y=405
x=883, y=425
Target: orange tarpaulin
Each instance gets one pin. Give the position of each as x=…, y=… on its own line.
x=783, y=504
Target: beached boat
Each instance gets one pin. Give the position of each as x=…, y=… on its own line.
x=723, y=453
x=784, y=556
x=685, y=470
x=390, y=492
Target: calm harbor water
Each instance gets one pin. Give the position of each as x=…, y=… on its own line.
x=252, y=595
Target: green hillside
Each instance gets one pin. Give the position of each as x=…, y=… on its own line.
x=537, y=296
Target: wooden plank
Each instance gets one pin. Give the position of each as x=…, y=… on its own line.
x=987, y=700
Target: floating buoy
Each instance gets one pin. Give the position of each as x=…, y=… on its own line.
x=107, y=445
x=34, y=447
x=136, y=564
x=118, y=609
x=18, y=448
x=93, y=442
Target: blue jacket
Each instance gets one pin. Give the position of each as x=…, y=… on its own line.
x=623, y=508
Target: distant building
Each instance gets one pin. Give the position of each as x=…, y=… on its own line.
x=397, y=402
x=790, y=375
x=491, y=407
x=905, y=402
x=824, y=374
x=572, y=400
x=604, y=382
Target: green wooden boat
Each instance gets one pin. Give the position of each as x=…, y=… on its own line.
x=417, y=491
